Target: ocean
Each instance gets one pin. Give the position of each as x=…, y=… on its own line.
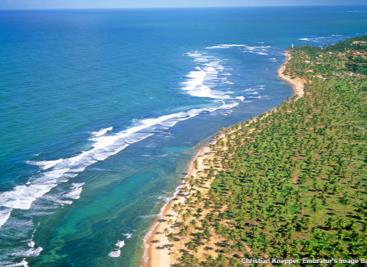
x=102, y=110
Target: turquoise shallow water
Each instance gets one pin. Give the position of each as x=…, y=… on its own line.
x=101, y=110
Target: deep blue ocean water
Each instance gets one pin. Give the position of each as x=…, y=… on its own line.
x=101, y=111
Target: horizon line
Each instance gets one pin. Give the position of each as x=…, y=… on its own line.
x=178, y=7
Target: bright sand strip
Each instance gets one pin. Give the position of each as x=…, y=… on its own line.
x=154, y=254
x=157, y=251
x=296, y=83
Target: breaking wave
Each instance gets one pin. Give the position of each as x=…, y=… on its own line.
x=259, y=50
x=54, y=172
x=201, y=81
x=209, y=79
x=119, y=245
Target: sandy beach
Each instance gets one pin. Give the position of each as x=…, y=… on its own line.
x=296, y=82
x=158, y=252
x=155, y=253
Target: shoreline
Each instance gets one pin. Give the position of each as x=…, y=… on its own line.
x=157, y=252
x=296, y=83
x=152, y=256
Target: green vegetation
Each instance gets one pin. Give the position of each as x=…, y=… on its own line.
x=293, y=183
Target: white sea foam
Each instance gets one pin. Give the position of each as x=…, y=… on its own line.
x=76, y=190
x=262, y=50
x=230, y=105
x=119, y=245
x=102, y=132
x=4, y=215
x=106, y=143
x=104, y=146
x=45, y=164
x=224, y=46
x=321, y=39
x=241, y=98
x=31, y=244
x=206, y=76
x=31, y=252
x=259, y=49
x=117, y=251
x=253, y=89
x=128, y=235
x=253, y=93
x=198, y=57
x=23, y=263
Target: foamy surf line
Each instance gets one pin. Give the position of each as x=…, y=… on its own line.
x=262, y=50
x=105, y=145
x=323, y=39
x=207, y=75
x=119, y=245
x=18, y=257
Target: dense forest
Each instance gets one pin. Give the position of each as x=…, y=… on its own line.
x=292, y=183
